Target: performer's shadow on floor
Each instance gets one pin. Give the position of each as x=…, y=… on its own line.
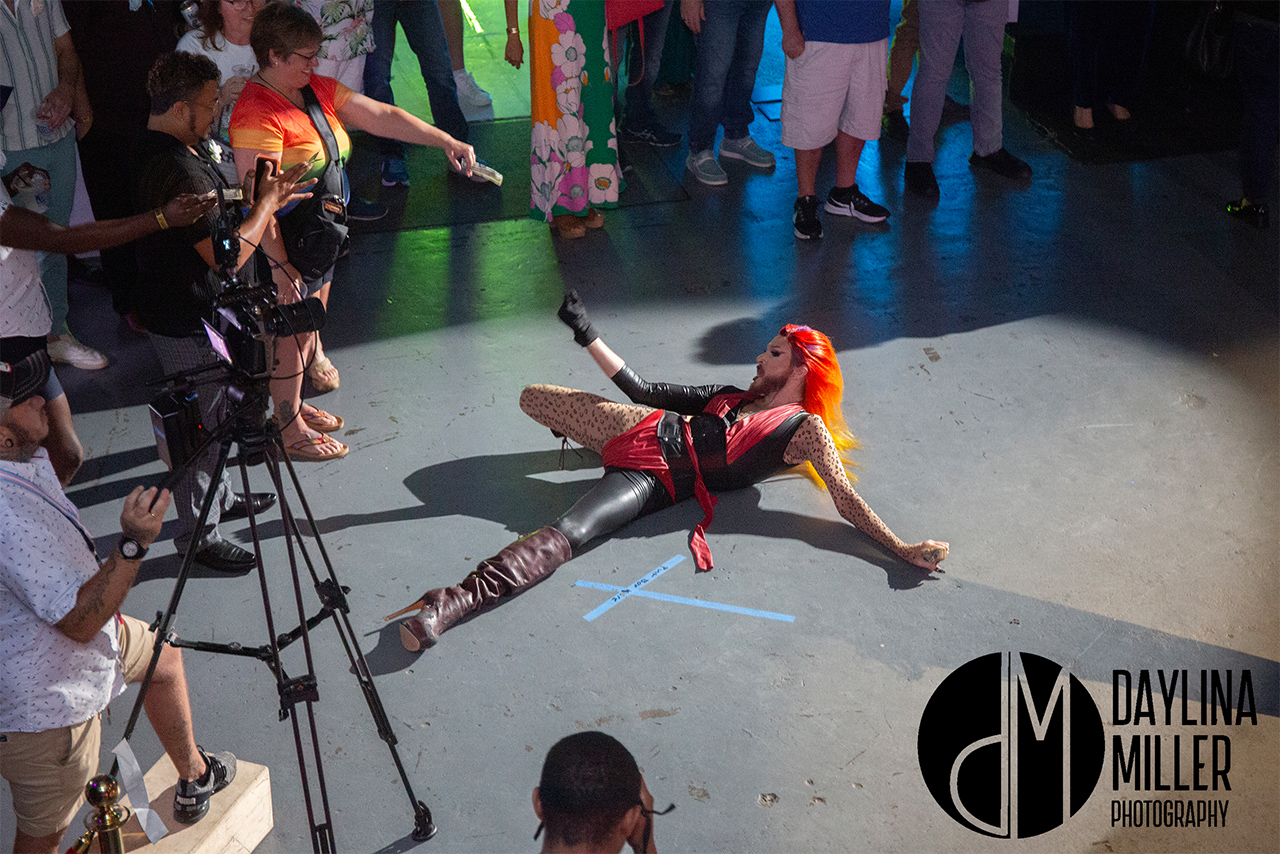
x=507, y=489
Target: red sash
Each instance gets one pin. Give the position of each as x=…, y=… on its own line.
x=638, y=449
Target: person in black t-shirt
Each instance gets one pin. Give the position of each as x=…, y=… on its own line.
x=177, y=275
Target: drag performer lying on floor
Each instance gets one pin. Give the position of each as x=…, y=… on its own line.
x=675, y=442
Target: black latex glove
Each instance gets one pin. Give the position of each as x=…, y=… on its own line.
x=573, y=313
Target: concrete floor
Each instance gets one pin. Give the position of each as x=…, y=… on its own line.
x=1075, y=383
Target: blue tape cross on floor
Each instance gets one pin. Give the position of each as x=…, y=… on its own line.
x=635, y=590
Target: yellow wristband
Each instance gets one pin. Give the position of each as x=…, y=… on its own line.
x=160, y=219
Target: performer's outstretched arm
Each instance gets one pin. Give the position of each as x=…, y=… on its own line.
x=813, y=443
x=685, y=399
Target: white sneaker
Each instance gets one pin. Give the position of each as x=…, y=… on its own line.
x=66, y=350
x=469, y=90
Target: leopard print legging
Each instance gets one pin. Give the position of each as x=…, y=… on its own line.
x=585, y=418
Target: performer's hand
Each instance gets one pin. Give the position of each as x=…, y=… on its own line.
x=928, y=554
x=573, y=313
x=143, y=514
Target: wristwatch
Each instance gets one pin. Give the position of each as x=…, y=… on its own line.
x=131, y=549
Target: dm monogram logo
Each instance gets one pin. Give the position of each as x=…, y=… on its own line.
x=1011, y=745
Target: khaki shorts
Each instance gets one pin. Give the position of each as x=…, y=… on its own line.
x=47, y=771
x=834, y=87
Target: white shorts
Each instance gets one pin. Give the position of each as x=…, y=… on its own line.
x=834, y=87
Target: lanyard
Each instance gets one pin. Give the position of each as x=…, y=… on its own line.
x=30, y=486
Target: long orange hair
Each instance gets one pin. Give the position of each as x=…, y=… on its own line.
x=823, y=389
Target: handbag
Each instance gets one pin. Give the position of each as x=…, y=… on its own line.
x=1209, y=46
x=315, y=230
x=619, y=13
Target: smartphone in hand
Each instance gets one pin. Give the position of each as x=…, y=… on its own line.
x=265, y=166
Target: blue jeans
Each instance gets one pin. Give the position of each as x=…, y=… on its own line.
x=59, y=160
x=425, y=33
x=642, y=67
x=729, y=49
x=942, y=22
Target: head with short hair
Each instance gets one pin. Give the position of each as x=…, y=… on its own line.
x=589, y=784
x=179, y=77
x=23, y=422
x=282, y=28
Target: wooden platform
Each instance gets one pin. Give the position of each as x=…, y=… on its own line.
x=239, y=816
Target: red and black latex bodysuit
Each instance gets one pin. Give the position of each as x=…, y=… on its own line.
x=694, y=445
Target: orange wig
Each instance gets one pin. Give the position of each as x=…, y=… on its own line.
x=823, y=387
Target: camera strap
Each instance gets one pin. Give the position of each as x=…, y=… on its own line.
x=321, y=122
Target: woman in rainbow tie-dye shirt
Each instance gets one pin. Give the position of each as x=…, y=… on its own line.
x=270, y=120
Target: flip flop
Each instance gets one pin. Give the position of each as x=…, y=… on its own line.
x=323, y=421
x=297, y=450
x=316, y=373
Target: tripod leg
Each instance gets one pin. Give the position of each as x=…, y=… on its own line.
x=164, y=621
x=331, y=592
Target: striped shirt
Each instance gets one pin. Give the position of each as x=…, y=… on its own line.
x=265, y=120
x=29, y=63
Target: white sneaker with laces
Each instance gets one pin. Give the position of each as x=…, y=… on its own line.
x=469, y=90
x=66, y=350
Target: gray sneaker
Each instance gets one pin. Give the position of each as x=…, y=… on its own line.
x=706, y=168
x=748, y=151
x=191, y=797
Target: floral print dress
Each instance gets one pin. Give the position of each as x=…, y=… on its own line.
x=574, y=164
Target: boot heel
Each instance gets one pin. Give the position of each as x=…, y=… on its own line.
x=415, y=636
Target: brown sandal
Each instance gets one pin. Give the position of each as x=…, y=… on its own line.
x=568, y=226
x=298, y=450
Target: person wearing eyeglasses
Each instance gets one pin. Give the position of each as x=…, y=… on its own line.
x=224, y=37
x=271, y=121
x=592, y=798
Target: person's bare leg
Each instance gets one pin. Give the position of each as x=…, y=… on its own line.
x=169, y=711
x=848, y=153
x=588, y=419
x=807, y=160
x=286, y=392
x=323, y=295
x=451, y=15
x=23, y=844
x=65, y=451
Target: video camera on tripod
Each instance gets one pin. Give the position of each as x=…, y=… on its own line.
x=243, y=323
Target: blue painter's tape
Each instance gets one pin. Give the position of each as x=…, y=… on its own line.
x=683, y=600
x=624, y=592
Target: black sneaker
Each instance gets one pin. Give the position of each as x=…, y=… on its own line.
x=191, y=800
x=655, y=135
x=1002, y=163
x=1256, y=215
x=919, y=179
x=806, y=222
x=849, y=201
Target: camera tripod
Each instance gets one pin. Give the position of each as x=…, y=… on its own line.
x=260, y=441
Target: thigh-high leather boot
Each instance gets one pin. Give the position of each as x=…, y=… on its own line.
x=509, y=573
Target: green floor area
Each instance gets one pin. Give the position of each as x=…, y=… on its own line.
x=484, y=39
